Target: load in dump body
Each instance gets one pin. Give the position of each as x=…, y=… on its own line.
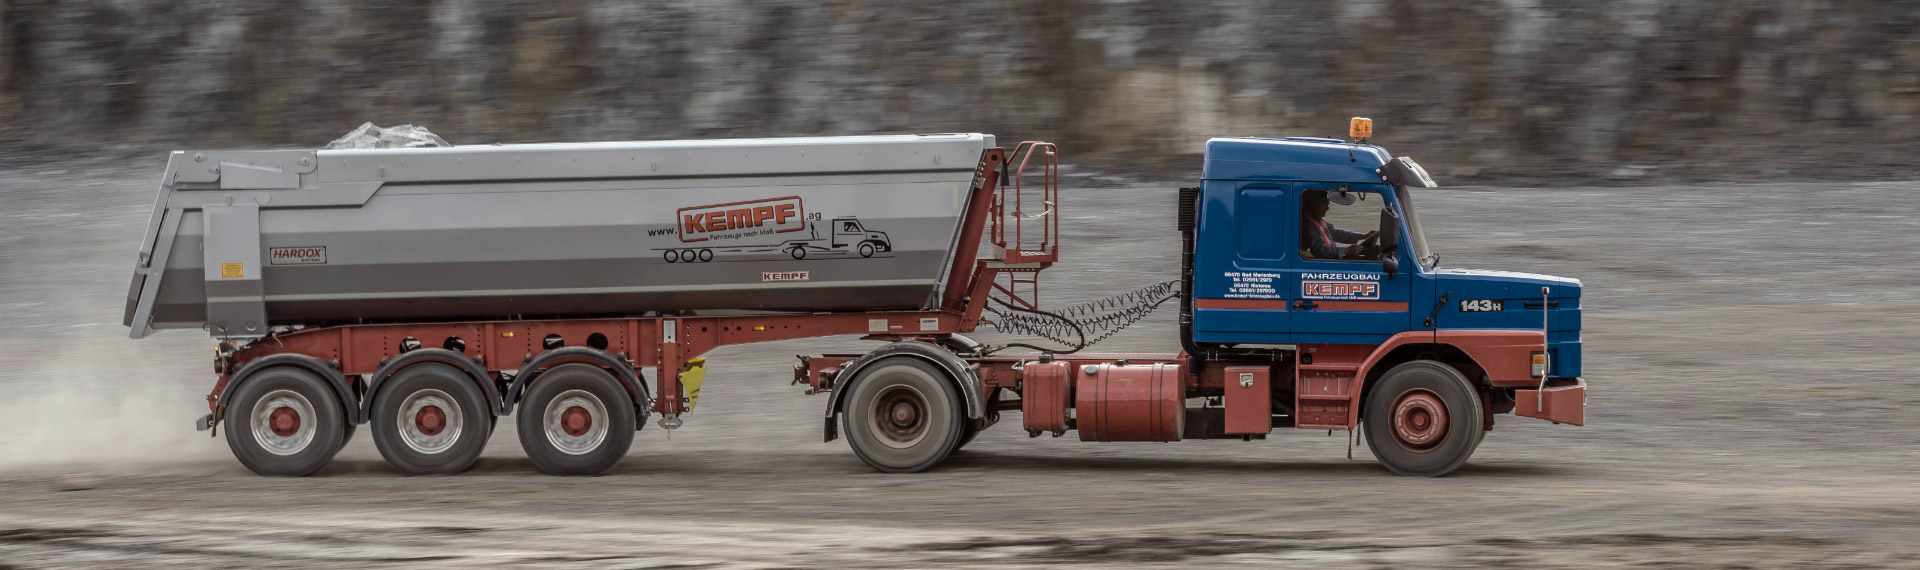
x=425, y=291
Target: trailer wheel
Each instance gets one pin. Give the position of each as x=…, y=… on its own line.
x=1423, y=419
x=903, y=416
x=672, y=256
x=576, y=420
x=706, y=255
x=430, y=419
x=866, y=249
x=798, y=252
x=285, y=422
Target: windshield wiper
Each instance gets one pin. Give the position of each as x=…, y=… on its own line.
x=1433, y=260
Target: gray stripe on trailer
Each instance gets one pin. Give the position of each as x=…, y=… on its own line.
x=590, y=290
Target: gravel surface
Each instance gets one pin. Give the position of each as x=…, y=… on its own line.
x=1748, y=350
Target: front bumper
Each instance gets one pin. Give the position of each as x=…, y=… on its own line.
x=1558, y=404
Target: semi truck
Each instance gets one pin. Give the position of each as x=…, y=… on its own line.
x=426, y=292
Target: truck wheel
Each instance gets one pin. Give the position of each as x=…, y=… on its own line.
x=576, y=420
x=429, y=419
x=706, y=255
x=1423, y=419
x=903, y=416
x=798, y=252
x=866, y=250
x=672, y=256
x=285, y=422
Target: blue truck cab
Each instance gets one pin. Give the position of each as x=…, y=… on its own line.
x=1312, y=248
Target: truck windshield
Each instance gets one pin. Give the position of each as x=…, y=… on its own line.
x=1427, y=257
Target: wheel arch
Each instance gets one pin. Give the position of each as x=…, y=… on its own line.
x=342, y=389
x=957, y=371
x=621, y=369
x=474, y=371
x=1411, y=347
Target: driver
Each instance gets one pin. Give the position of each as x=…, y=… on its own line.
x=1319, y=238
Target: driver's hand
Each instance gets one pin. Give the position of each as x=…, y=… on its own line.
x=1355, y=251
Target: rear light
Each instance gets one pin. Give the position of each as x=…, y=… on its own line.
x=1539, y=365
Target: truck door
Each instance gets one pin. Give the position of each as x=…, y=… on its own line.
x=1343, y=296
x=847, y=232
x=1241, y=258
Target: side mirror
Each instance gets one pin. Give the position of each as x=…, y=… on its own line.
x=1390, y=240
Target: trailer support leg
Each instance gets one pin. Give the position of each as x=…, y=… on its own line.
x=669, y=402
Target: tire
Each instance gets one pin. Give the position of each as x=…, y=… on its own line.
x=902, y=416
x=798, y=252
x=285, y=422
x=430, y=419
x=706, y=255
x=866, y=249
x=1423, y=443
x=586, y=394
x=672, y=256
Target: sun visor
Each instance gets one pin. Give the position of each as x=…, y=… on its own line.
x=1405, y=172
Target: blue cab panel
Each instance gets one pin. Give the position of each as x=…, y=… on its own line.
x=1254, y=285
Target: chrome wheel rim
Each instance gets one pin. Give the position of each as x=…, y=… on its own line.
x=283, y=422
x=429, y=421
x=575, y=422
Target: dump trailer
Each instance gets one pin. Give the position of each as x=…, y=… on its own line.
x=576, y=287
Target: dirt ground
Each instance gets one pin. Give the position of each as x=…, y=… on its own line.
x=1749, y=349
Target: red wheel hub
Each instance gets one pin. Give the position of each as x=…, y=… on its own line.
x=430, y=420
x=1419, y=421
x=576, y=421
x=284, y=421
x=904, y=414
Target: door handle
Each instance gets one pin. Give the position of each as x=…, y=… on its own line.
x=1304, y=305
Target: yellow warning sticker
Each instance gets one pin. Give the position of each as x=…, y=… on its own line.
x=233, y=270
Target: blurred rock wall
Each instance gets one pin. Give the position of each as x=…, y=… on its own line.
x=1475, y=88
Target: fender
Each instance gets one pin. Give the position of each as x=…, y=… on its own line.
x=958, y=371
x=1491, y=350
x=642, y=400
x=341, y=387
x=466, y=364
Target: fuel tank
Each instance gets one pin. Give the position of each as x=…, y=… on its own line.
x=242, y=241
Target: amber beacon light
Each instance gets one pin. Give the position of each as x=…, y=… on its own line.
x=1361, y=129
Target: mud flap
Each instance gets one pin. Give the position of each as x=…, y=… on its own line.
x=1558, y=404
x=690, y=380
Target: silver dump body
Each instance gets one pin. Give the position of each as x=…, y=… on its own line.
x=241, y=241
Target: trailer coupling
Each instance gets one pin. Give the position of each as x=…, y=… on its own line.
x=1565, y=403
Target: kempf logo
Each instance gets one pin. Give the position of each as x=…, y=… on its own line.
x=1356, y=290
x=741, y=219
x=772, y=276
x=297, y=255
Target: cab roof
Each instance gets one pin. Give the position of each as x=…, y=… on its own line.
x=1293, y=158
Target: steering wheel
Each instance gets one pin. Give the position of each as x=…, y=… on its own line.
x=1369, y=244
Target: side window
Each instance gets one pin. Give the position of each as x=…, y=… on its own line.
x=1261, y=213
x=1340, y=225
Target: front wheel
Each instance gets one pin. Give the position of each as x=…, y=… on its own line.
x=903, y=416
x=576, y=420
x=866, y=250
x=1423, y=419
x=285, y=422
